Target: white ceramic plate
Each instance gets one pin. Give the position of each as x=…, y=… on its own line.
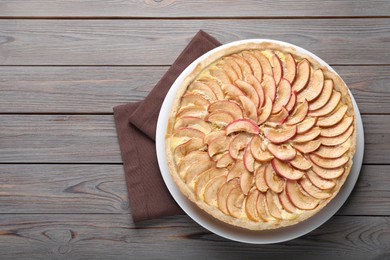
x=239, y=234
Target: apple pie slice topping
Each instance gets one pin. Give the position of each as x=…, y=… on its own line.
x=262, y=135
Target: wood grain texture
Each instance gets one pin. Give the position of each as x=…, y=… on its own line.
x=37, y=188
x=29, y=89
x=150, y=42
x=104, y=237
x=202, y=8
x=92, y=139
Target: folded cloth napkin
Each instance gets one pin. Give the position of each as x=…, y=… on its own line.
x=136, y=128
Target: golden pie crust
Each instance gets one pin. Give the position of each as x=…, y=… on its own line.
x=275, y=163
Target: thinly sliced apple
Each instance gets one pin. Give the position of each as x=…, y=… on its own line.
x=235, y=202
x=232, y=92
x=218, y=145
x=232, y=74
x=189, y=132
x=249, y=160
x=255, y=65
x=214, y=86
x=238, y=143
x=236, y=171
x=291, y=68
x=211, y=190
x=329, y=163
x=225, y=160
x=250, y=109
x=187, y=147
x=262, y=208
x=220, y=118
x=308, y=136
x=199, y=88
x=332, y=152
x=312, y=190
x=273, y=181
x=260, y=183
x=328, y=173
x=300, y=198
x=224, y=192
x=273, y=208
x=314, y=88
x=257, y=150
x=286, y=203
x=319, y=182
x=301, y=163
x=208, y=138
x=195, y=170
x=220, y=75
x=337, y=140
x=232, y=107
x=303, y=76
x=231, y=61
x=194, y=99
x=202, y=179
x=245, y=67
x=193, y=122
x=329, y=107
x=242, y=125
x=334, y=118
x=324, y=97
x=307, y=147
x=195, y=157
x=299, y=113
x=269, y=86
x=283, y=152
x=259, y=89
x=246, y=181
x=306, y=125
x=194, y=111
x=338, y=129
x=291, y=103
x=277, y=69
x=250, y=205
x=283, y=96
x=249, y=91
x=264, y=62
x=281, y=135
x=285, y=170
x=265, y=111
x=280, y=117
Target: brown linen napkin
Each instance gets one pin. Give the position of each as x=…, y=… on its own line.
x=136, y=128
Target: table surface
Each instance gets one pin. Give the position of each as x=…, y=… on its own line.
x=65, y=64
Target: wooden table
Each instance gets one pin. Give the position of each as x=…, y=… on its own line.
x=65, y=64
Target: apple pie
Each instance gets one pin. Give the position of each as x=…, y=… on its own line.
x=261, y=136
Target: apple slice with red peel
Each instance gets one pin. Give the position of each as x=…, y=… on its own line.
x=319, y=182
x=232, y=107
x=291, y=68
x=187, y=147
x=308, y=136
x=300, y=198
x=303, y=76
x=280, y=117
x=255, y=65
x=281, y=135
x=338, y=129
x=334, y=118
x=337, y=140
x=193, y=122
x=208, y=138
x=329, y=163
x=199, y=88
x=202, y=179
x=238, y=143
x=307, y=147
x=224, y=192
x=225, y=160
x=306, y=125
x=189, y=132
x=264, y=62
x=242, y=125
x=211, y=190
x=218, y=145
x=260, y=183
x=232, y=91
x=246, y=181
x=220, y=118
x=269, y=86
x=332, y=152
x=250, y=205
x=328, y=173
x=283, y=96
x=291, y=103
x=286, y=203
x=243, y=64
x=195, y=170
x=249, y=160
x=220, y=75
x=301, y=163
x=214, y=86
x=231, y=61
x=265, y=111
x=277, y=69
x=284, y=152
x=262, y=208
x=324, y=97
x=259, y=89
x=285, y=170
x=299, y=113
x=312, y=190
x=249, y=91
x=329, y=107
x=235, y=202
x=273, y=181
x=194, y=99
x=314, y=88
x=194, y=111
x=191, y=158
x=258, y=153
x=273, y=209
x=250, y=109
x=236, y=171
x=232, y=74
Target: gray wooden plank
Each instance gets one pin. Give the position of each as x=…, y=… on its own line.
x=92, y=139
x=30, y=89
x=202, y=8
x=151, y=42
x=104, y=237
x=37, y=188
